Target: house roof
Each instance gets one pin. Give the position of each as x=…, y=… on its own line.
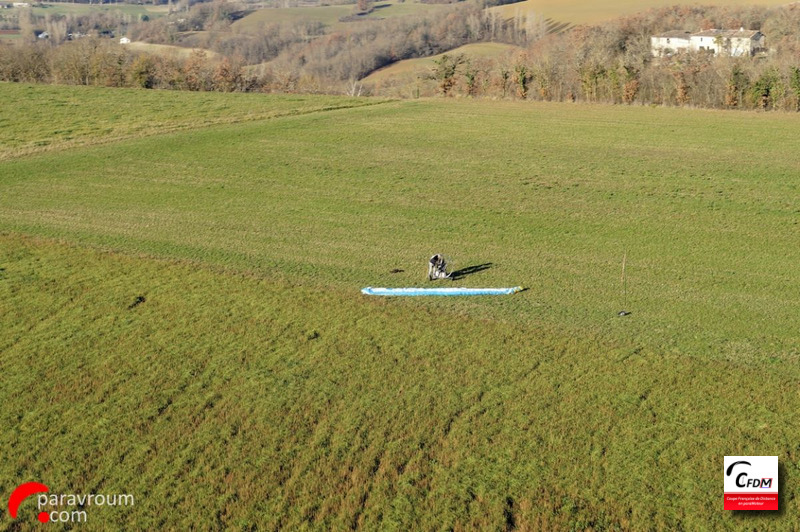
x=729, y=34
x=675, y=34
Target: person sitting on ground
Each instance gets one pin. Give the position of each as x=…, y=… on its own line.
x=437, y=268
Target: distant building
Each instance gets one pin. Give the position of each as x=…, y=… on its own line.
x=735, y=43
x=124, y=40
x=729, y=42
x=671, y=42
x=21, y=4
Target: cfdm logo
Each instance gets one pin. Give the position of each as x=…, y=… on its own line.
x=742, y=481
x=751, y=482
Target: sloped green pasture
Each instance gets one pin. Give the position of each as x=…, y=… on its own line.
x=182, y=319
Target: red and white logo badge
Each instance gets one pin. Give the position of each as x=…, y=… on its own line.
x=751, y=482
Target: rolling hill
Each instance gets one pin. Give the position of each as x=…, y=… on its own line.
x=409, y=70
x=169, y=50
x=574, y=12
x=328, y=15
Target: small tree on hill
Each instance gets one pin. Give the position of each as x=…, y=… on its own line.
x=681, y=88
x=445, y=71
x=735, y=87
x=505, y=75
x=471, y=78
x=794, y=83
x=228, y=76
x=364, y=6
x=143, y=72
x=195, y=71
x=522, y=76
x=764, y=88
x=630, y=84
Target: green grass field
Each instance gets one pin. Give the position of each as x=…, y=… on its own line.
x=84, y=115
x=183, y=320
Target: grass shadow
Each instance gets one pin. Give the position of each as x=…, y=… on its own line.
x=469, y=270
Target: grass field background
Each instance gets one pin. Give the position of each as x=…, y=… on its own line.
x=83, y=115
x=252, y=385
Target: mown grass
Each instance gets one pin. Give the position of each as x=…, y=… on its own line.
x=254, y=363
x=228, y=401
x=38, y=118
x=553, y=196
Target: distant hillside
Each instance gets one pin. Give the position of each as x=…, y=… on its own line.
x=64, y=8
x=407, y=71
x=540, y=17
x=575, y=12
x=167, y=50
x=536, y=49
x=328, y=15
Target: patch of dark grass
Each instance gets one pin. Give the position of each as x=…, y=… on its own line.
x=136, y=302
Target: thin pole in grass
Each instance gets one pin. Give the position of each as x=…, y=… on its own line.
x=624, y=281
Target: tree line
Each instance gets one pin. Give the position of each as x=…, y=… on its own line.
x=613, y=63
x=609, y=63
x=102, y=62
